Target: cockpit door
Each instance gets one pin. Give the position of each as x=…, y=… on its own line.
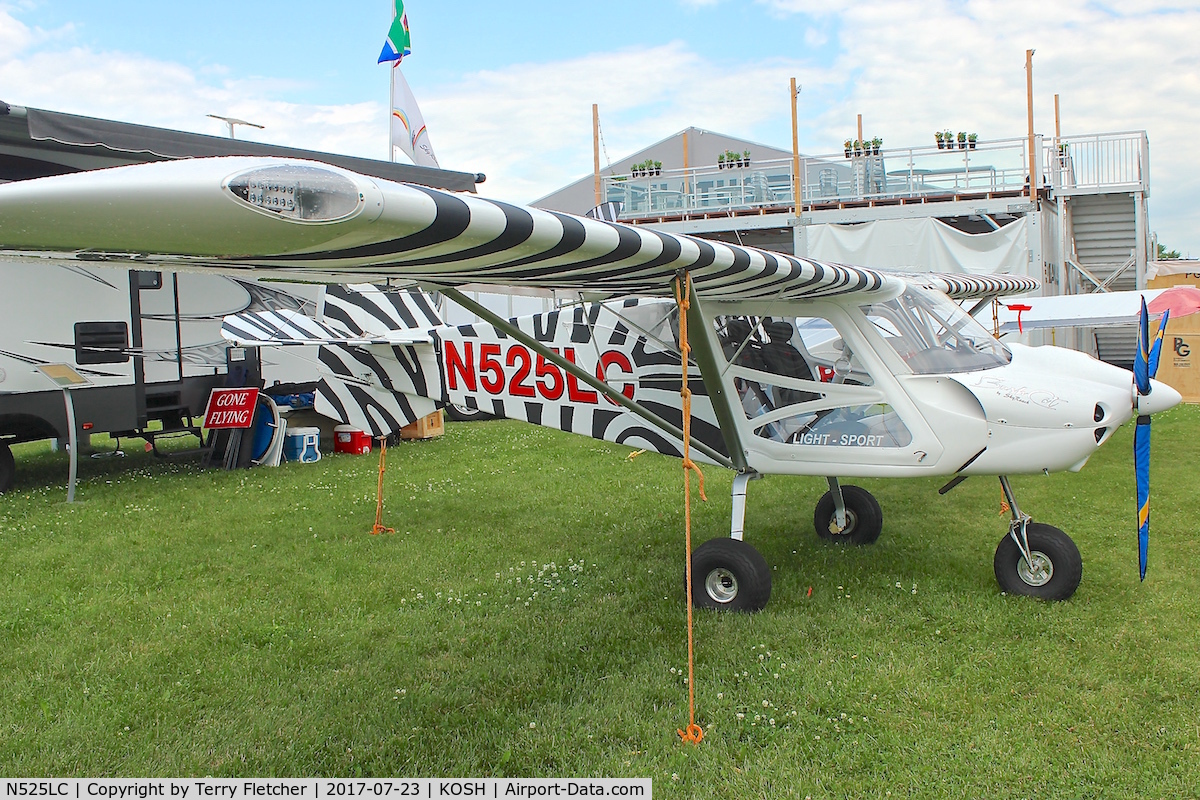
x=815, y=395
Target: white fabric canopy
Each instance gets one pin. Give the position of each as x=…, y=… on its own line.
x=924, y=244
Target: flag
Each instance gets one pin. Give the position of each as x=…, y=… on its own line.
x=398, y=43
x=408, y=126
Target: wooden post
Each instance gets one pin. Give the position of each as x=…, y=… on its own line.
x=596, y=149
x=860, y=128
x=1057, y=126
x=798, y=200
x=1029, y=96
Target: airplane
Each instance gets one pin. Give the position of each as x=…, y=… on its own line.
x=796, y=367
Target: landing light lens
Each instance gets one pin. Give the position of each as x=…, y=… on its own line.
x=306, y=194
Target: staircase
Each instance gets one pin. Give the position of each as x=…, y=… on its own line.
x=1104, y=234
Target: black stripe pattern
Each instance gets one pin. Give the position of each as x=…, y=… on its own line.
x=472, y=240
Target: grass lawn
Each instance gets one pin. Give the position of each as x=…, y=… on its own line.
x=527, y=619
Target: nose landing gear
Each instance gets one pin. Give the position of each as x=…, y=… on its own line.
x=1035, y=559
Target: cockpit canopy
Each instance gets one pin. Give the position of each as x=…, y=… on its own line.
x=934, y=335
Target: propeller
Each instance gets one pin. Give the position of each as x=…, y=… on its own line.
x=1145, y=365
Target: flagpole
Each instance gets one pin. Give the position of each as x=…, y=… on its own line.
x=391, y=116
x=596, y=150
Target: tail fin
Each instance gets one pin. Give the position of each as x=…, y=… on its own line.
x=379, y=369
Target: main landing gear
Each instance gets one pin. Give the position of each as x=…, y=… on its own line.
x=729, y=574
x=848, y=514
x=1034, y=559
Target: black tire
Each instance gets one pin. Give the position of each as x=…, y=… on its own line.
x=730, y=575
x=8, y=468
x=864, y=517
x=464, y=414
x=1052, y=551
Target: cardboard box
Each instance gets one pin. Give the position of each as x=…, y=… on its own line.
x=426, y=427
x=1179, y=364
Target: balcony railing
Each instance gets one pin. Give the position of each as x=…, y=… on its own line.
x=1106, y=162
x=1087, y=163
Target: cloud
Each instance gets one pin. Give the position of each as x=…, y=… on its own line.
x=134, y=88
x=915, y=67
x=909, y=67
x=529, y=126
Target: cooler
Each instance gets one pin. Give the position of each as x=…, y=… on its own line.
x=349, y=439
x=302, y=444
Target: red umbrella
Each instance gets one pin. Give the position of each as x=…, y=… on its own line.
x=1179, y=300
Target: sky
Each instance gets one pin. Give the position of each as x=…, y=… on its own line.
x=507, y=88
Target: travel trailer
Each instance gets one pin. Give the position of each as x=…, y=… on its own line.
x=148, y=342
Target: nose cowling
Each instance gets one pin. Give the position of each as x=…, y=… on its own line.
x=1160, y=398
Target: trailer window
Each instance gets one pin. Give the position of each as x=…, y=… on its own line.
x=101, y=342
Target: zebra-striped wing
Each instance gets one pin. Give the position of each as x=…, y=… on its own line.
x=960, y=286
x=311, y=221
x=284, y=328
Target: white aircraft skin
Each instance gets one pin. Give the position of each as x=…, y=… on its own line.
x=896, y=379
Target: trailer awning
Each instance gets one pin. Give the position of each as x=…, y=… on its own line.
x=36, y=143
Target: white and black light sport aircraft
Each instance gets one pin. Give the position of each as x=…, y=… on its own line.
x=797, y=367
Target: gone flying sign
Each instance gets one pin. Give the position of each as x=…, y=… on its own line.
x=230, y=408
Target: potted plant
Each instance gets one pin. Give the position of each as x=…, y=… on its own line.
x=849, y=145
x=658, y=168
x=962, y=140
x=876, y=143
x=949, y=137
x=940, y=140
x=721, y=161
x=746, y=157
x=857, y=147
x=971, y=137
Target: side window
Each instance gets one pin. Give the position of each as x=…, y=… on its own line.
x=101, y=343
x=788, y=373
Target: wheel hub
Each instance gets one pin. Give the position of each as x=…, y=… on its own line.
x=721, y=585
x=1037, y=573
x=851, y=524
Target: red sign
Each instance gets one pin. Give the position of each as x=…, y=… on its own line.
x=230, y=408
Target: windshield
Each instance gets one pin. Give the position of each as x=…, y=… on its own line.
x=934, y=335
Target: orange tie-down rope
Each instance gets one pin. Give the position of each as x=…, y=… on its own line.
x=378, y=527
x=683, y=286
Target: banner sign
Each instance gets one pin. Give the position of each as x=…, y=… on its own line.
x=230, y=408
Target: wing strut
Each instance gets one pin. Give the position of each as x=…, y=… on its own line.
x=591, y=380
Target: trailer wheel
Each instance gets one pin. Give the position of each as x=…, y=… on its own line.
x=8, y=468
x=464, y=414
